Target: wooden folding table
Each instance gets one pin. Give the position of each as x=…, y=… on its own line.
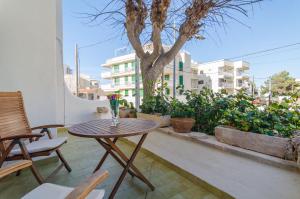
x=107, y=136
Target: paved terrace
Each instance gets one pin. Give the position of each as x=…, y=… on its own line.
x=83, y=156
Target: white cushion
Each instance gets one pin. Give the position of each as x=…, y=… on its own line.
x=52, y=191
x=41, y=145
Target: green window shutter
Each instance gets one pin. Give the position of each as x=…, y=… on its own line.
x=133, y=78
x=126, y=79
x=133, y=66
x=116, y=68
x=180, y=66
x=167, y=77
x=126, y=93
x=141, y=92
x=117, y=80
x=180, y=79
x=126, y=66
x=133, y=92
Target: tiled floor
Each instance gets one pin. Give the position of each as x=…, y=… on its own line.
x=83, y=155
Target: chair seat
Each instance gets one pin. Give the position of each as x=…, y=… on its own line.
x=50, y=191
x=41, y=145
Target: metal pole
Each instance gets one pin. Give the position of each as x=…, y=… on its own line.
x=137, y=83
x=174, y=65
x=77, y=69
x=253, y=86
x=270, y=90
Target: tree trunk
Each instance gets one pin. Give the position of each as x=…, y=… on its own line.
x=148, y=86
x=150, y=77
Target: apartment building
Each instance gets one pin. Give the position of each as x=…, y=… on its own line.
x=224, y=75
x=122, y=75
x=88, y=88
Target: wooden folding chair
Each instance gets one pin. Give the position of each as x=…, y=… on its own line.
x=15, y=128
x=50, y=191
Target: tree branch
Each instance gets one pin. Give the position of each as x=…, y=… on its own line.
x=136, y=14
x=159, y=13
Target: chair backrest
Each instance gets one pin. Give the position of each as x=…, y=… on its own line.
x=13, y=119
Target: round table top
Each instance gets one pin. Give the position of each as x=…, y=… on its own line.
x=102, y=128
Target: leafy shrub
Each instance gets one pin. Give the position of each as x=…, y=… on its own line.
x=211, y=109
x=277, y=119
x=155, y=104
x=208, y=108
x=181, y=110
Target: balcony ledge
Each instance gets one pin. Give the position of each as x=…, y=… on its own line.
x=238, y=172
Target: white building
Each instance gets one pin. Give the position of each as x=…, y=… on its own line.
x=224, y=75
x=122, y=75
x=88, y=88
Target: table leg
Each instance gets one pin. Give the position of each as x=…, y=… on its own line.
x=109, y=151
x=128, y=165
x=104, y=156
x=124, y=157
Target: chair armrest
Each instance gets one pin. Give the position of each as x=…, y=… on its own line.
x=14, y=167
x=48, y=126
x=14, y=137
x=84, y=188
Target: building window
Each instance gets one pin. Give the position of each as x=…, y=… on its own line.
x=126, y=67
x=167, y=77
x=126, y=79
x=201, y=72
x=133, y=79
x=200, y=82
x=141, y=92
x=167, y=91
x=180, y=79
x=133, y=65
x=180, y=66
x=116, y=69
x=117, y=81
x=126, y=93
x=133, y=92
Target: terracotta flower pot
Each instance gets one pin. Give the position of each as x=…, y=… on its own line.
x=182, y=125
x=132, y=114
x=124, y=113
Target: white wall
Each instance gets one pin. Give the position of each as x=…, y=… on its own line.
x=31, y=56
x=31, y=60
x=80, y=110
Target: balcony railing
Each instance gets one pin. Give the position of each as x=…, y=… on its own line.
x=226, y=85
x=225, y=73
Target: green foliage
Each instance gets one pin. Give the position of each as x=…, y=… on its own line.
x=212, y=109
x=181, y=110
x=208, y=108
x=278, y=119
x=281, y=84
x=155, y=104
x=124, y=103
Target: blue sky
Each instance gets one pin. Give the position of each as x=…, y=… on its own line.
x=271, y=24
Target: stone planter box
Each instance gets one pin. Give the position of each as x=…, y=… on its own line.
x=164, y=120
x=270, y=145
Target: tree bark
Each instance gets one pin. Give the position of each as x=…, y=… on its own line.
x=149, y=77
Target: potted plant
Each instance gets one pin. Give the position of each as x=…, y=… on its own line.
x=182, y=115
x=124, y=108
x=132, y=111
x=155, y=108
